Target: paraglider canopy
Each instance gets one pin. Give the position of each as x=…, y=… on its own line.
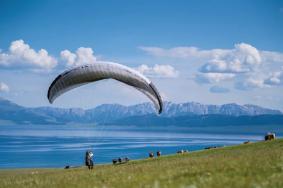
x=91, y=73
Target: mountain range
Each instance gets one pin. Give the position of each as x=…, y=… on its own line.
x=183, y=113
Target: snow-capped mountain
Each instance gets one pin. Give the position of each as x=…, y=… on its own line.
x=10, y=111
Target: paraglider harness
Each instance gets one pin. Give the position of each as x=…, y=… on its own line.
x=88, y=159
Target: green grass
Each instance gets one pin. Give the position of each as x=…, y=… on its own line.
x=252, y=165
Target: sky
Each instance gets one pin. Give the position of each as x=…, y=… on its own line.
x=212, y=52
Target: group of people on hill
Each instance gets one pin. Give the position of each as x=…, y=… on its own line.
x=120, y=160
x=151, y=154
x=89, y=159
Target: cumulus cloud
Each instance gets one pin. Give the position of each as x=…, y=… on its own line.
x=209, y=78
x=242, y=61
x=186, y=52
x=263, y=81
x=166, y=71
x=219, y=89
x=242, y=65
x=222, y=66
x=80, y=57
x=4, y=87
x=268, y=56
x=244, y=58
x=21, y=54
x=243, y=51
x=275, y=78
x=250, y=83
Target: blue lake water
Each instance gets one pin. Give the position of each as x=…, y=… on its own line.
x=26, y=146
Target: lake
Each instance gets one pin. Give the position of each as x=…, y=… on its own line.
x=26, y=146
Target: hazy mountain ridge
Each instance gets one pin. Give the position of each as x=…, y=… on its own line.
x=201, y=120
x=172, y=109
x=113, y=112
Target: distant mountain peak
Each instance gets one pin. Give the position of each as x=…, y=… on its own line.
x=109, y=112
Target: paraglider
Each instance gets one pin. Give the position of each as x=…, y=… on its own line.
x=99, y=71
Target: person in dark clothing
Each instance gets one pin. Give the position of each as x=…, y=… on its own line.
x=88, y=159
x=119, y=160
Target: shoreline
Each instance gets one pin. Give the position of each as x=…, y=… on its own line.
x=141, y=159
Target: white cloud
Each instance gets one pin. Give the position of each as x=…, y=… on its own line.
x=21, y=54
x=68, y=56
x=4, y=87
x=250, y=83
x=268, y=56
x=244, y=63
x=158, y=71
x=243, y=58
x=208, y=78
x=185, y=52
x=80, y=57
x=247, y=54
x=275, y=78
x=260, y=80
x=256, y=83
x=222, y=66
x=244, y=52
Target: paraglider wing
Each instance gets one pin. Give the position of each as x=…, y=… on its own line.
x=91, y=73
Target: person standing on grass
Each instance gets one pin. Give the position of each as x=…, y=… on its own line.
x=88, y=159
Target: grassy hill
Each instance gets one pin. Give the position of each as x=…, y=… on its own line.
x=251, y=165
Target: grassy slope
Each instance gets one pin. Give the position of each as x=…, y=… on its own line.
x=252, y=165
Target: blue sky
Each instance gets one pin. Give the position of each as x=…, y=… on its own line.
x=212, y=52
